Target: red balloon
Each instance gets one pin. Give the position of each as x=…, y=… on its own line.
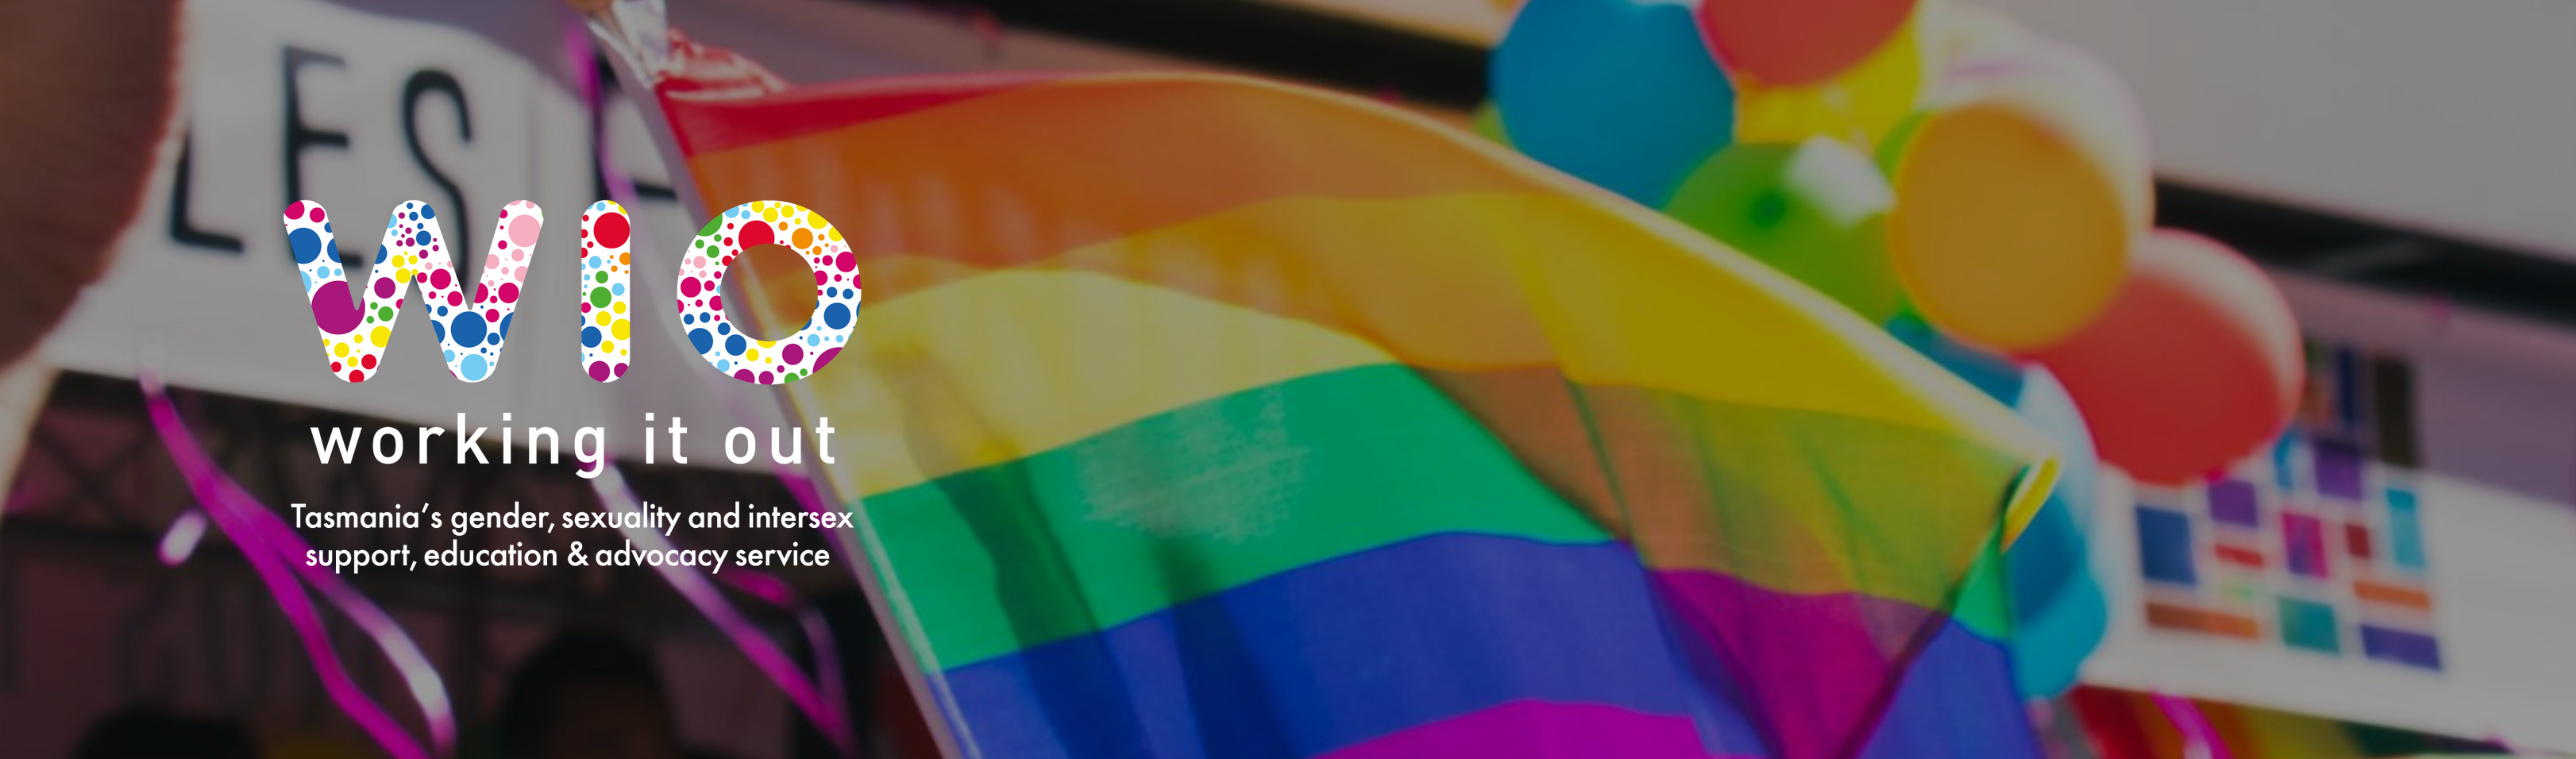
x=1784, y=43
x=2195, y=363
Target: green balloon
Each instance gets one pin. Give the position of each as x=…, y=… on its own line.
x=1815, y=210
x=1489, y=124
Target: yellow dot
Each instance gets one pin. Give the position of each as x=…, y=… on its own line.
x=607, y=345
x=402, y=277
x=340, y=349
x=382, y=336
x=618, y=329
x=834, y=232
x=603, y=318
x=770, y=214
x=619, y=307
x=751, y=355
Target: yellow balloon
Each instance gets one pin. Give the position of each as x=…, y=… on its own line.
x=2018, y=195
x=1858, y=106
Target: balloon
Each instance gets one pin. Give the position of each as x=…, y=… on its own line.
x=1620, y=93
x=2196, y=363
x=2059, y=612
x=2018, y=195
x=1489, y=124
x=1796, y=42
x=1860, y=105
x=1813, y=210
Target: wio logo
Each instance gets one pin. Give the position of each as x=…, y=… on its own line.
x=471, y=330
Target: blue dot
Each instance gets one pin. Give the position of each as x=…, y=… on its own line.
x=724, y=329
x=468, y=328
x=476, y=367
x=617, y=289
x=590, y=262
x=723, y=364
x=838, y=315
x=440, y=328
x=442, y=310
x=734, y=345
x=505, y=328
x=698, y=338
x=428, y=213
x=450, y=356
x=420, y=237
x=380, y=254
x=326, y=226
x=331, y=249
x=308, y=246
x=688, y=318
x=590, y=337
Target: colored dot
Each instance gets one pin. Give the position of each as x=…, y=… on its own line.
x=428, y=213
x=295, y=210
x=369, y=362
x=688, y=287
x=735, y=345
x=357, y=376
x=755, y=233
x=468, y=328
x=608, y=346
x=599, y=297
x=385, y=314
x=381, y=336
x=601, y=277
x=740, y=374
x=340, y=349
x=332, y=309
x=750, y=355
x=825, y=357
x=765, y=378
x=612, y=230
x=440, y=279
x=846, y=262
x=836, y=316
x=699, y=339
x=509, y=292
x=420, y=238
x=317, y=214
x=523, y=230
x=475, y=367
x=599, y=371
x=589, y=337
x=308, y=245
x=619, y=329
x=795, y=353
x=603, y=318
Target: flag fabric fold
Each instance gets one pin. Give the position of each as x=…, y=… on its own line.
x=1200, y=416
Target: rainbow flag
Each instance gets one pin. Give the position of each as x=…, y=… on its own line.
x=2131, y=725
x=1200, y=416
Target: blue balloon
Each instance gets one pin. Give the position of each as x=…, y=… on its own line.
x=1621, y=93
x=2059, y=612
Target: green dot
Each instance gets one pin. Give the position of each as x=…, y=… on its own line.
x=385, y=313
x=602, y=277
x=598, y=297
x=710, y=228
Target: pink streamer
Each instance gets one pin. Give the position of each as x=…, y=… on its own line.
x=2199, y=740
x=273, y=550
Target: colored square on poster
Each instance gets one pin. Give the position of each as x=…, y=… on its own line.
x=2405, y=530
x=2338, y=470
x=2234, y=502
x=2310, y=625
x=2406, y=647
x=2356, y=541
x=2303, y=542
x=2165, y=552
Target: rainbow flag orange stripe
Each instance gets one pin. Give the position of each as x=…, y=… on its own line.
x=1194, y=415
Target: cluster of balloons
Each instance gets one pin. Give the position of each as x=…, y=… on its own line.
x=1937, y=169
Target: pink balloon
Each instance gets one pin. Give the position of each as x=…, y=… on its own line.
x=2194, y=364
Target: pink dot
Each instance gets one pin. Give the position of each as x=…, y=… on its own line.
x=295, y=210
x=317, y=214
x=847, y=262
x=523, y=230
x=509, y=292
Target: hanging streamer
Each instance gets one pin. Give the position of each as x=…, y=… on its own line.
x=272, y=549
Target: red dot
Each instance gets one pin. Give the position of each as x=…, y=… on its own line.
x=295, y=210
x=755, y=233
x=317, y=214
x=612, y=229
x=369, y=362
x=335, y=367
x=357, y=376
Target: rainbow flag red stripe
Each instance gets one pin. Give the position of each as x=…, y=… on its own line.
x=1198, y=416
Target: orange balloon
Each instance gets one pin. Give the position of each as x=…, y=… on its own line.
x=2194, y=365
x=2018, y=194
x=1785, y=43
